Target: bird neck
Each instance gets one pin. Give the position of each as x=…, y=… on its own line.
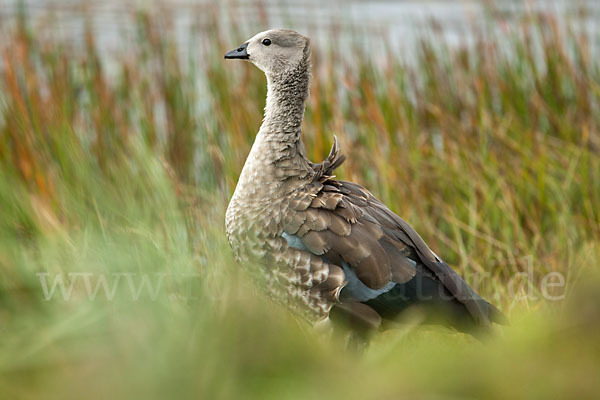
x=286, y=98
x=278, y=152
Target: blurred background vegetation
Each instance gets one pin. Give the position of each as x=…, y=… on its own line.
x=119, y=164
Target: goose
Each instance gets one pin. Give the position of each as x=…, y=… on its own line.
x=328, y=249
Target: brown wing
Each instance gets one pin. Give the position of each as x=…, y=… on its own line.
x=342, y=221
x=332, y=220
x=335, y=224
x=396, y=228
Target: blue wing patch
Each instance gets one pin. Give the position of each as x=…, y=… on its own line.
x=354, y=288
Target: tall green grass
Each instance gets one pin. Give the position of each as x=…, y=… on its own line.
x=490, y=151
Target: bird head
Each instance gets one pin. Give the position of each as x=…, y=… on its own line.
x=273, y=51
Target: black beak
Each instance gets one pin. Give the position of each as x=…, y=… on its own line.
x=240, y=52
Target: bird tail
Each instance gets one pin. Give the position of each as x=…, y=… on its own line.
x=497, y=316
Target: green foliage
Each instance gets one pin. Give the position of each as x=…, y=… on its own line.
x=490, y=151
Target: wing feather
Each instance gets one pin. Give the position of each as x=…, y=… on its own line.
x=345, y=224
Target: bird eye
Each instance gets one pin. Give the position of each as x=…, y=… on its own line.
x=266, y=42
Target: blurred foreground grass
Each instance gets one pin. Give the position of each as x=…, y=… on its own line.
x=490, y=151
